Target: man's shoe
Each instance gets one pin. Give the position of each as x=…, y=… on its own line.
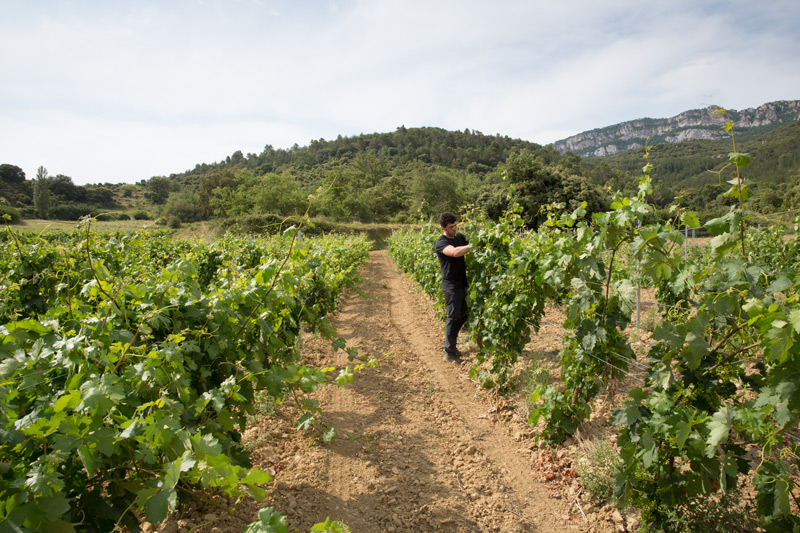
x=454, y=357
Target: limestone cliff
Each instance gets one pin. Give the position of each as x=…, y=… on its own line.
x=689, y=125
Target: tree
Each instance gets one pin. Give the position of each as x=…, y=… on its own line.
x=367, y=169
x=341, y=198
x=41, y=193
x=11, y=174
x=238, y=199
x=389, y=198
x=536, y=183
x=157, y=189
x=99, y=195
x=182, y=206
x=64, y=189
x=14, y=190
x=235, y=158
x=209, y=183
x=494, y=200
x=435, y=191
x=539, y=183
x=279, y=194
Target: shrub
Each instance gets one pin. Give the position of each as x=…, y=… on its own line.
x=10, y=212
x=596, y=469
x=141, y=214
x=71, y=211
x=112, y=216
x=183, y=206
x=271, y=224
x=650, y=319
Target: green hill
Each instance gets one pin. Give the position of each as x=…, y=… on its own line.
x=413, y=174
x=408, y=175
x=451, y=149
x=693, y=170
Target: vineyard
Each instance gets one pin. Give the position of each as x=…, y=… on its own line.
x=717, y=409
x=142, y=375
x=130, y=364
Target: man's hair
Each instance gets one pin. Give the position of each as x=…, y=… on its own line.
x=446, y=218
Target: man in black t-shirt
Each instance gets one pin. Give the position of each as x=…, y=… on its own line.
x=450, y=248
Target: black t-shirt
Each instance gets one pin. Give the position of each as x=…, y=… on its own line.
x=454, y=269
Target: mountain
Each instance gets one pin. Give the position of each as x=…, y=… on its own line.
x=696, y=172
x=689, y=125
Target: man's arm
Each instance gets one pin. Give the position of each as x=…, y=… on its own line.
x=456, y=251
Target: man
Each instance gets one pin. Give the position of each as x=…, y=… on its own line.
x=451, y=247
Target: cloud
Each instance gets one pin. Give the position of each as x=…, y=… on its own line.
x=124, y=91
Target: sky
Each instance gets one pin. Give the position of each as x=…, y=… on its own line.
x=117, y=91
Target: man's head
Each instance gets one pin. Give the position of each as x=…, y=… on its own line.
x=446, y=218
x=449, y=226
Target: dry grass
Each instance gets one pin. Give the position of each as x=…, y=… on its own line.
x=37, y=225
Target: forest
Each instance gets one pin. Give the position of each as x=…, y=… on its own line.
x=412, y=174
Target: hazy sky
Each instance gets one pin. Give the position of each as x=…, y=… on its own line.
x=119, y=91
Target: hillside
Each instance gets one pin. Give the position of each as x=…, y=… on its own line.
x=696, y=124
x=408, y=175
x=452, y=149
x=694, y=171
x=413, y=174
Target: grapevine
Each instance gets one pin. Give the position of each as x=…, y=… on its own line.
x=129, y=364
x=719, y=401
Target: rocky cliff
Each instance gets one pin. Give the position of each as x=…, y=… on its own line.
x=689, y=125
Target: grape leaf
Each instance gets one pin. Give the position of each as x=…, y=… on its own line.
x=157, y=507
x=794, y=319
x=719, y=426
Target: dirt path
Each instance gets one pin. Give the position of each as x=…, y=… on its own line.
x=420, y=447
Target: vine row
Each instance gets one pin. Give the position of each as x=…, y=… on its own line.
x=720, y=400
x=129, y=364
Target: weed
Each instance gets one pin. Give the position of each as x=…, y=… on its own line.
x=370, y=440
x=329, y=526
x=535, y=374
x=596, y=469
x=431, y=388
x=264, y=405
x=650, y=319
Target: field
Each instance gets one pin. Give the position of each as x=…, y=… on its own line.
x=700, y=431
x=274, y=384
x=131, y=361
x=420, y=446
x=200, y=230
x=37, y=225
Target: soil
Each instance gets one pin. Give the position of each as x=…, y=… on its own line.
x=419, y=446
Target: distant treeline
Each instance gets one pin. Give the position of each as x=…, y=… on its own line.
x=413, y=174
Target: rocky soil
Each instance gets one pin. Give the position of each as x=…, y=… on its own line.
x=419, y=446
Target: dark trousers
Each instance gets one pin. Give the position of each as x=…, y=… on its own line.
x=455, y=301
